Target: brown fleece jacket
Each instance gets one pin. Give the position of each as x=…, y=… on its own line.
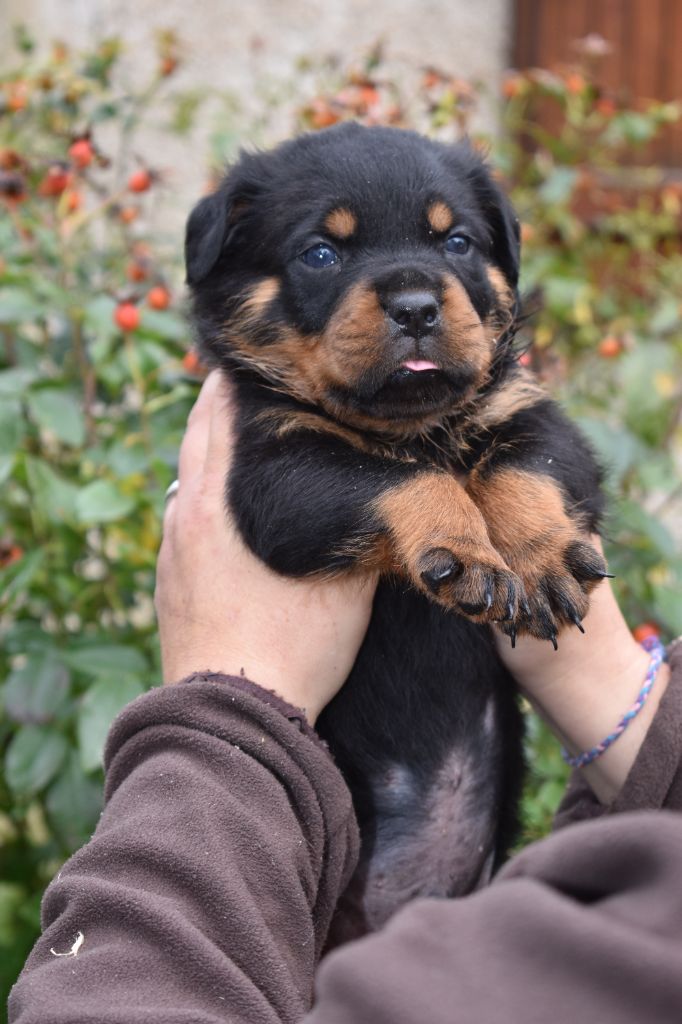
x=206, y=892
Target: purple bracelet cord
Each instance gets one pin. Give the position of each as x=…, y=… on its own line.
x=657, y=651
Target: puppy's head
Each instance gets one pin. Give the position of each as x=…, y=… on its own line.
x=369, y=271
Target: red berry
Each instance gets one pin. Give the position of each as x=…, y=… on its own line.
x=128, y=214
x=17, y=97
x=9, y=554
x=609, y=347
x=81, y=153
x=168, y=65
x=192, y=364
x=137, y=271
x=575, y=83
x=127, y=316
x=72, y=200
x=158, y=297
x=139, y=181
x=644, y=630
x=57, y=178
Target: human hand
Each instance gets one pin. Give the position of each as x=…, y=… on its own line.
x=583, y=689
x=221, y=609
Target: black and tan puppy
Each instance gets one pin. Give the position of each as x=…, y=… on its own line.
x=360, y=286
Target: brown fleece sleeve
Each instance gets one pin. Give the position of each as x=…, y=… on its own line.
x=584, y=926
x=206, y=892
x=655, y=779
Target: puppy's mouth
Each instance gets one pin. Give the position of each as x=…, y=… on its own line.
x=416, y=388
x=419, y=366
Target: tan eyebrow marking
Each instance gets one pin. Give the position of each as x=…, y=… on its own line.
x=341, y=223
x=259, y=299
x=440, y=216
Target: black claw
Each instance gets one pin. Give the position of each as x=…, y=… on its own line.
x=608, y=576
x=553, y=642
x=512, y=636
x=576, y=621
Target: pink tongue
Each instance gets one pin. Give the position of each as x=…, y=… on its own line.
x=419, y=364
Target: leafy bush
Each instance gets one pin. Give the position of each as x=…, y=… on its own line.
x=95, y=387
x=90, y=421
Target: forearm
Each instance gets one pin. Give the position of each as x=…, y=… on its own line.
x=207, y=889
x=586, y=925
x=584, y=688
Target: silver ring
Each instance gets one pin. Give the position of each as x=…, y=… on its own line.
x=172, y=489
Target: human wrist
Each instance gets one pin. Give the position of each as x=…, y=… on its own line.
x=588, y=706
x=267, y=675
x=583, y=690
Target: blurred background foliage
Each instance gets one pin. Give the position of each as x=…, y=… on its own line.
x=97, y=378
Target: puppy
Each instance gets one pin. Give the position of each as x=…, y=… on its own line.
x=359, y=285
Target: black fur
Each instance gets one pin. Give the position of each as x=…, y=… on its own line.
x=333, y=419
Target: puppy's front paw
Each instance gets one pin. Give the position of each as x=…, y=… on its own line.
x=557, y=588
x=476, y=584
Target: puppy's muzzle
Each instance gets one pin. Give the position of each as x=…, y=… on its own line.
x=417, y=313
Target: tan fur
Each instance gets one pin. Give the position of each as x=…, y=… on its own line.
x=521, y=392
x=500, y=286
x=430, y=513
x=309, y=367
x=529, y=526
x=254, y=306
x=440, y=216
x=341, y=223
x=466, y=337
x=281, y=422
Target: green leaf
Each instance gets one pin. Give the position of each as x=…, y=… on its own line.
x=99, y=315
x=124, y=458
x=15, y=382
x=632, y=518
x=6, y=467
x=102, y=502
x=33, y=758
x=73, y=804
x=11, y=898
x=617, y=448
x=106, y=659
x=16, y=578
x=12, y=425
x=34, y=693
x=54, y=499
x=165, y=324
x=666, y=316
x=558, y=186
x=668, y=608
x=99, y=707
x=17, y=305
x=59, y=412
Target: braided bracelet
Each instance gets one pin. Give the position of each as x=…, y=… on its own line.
x=657, y=651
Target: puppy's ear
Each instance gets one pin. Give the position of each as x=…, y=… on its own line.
x=205, y=236
x=504, y=224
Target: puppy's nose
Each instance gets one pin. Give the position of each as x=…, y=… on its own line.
x=416, y=313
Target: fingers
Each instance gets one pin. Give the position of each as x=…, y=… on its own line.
x=204, y=452
x=194, y=445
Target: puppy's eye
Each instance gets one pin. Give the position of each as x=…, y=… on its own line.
x=458, y=244
x=320, y=256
